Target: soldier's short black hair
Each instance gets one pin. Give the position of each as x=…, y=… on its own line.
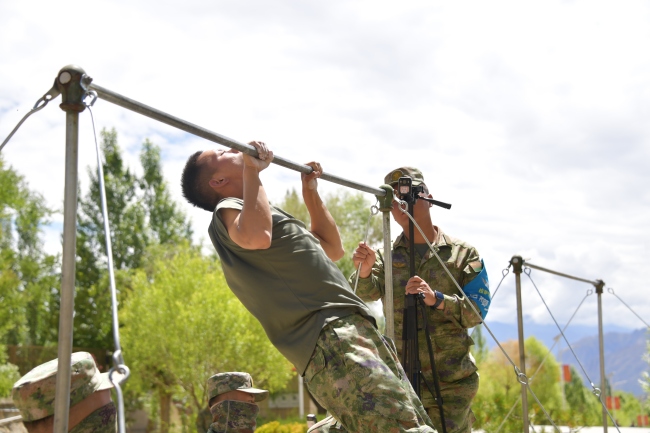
x=194, y=184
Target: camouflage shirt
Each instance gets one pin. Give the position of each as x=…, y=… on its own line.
x=448, y=327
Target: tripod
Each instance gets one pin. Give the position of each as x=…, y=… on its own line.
x=410, y=350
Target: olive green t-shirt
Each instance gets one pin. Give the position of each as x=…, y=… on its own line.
x=292, y=288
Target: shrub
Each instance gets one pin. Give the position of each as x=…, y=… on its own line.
x=8, y=376
x=276, y=427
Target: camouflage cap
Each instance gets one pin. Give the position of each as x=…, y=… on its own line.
x=33, y=394
x=415, y=174
x=234, y=381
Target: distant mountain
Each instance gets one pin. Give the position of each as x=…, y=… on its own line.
x=624, y=350
x=623, y=359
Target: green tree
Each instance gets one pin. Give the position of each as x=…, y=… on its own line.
x=140, y=213
x=500, y=389
x=166, y=222
x=28, y=276
x=351, y=212
x=480, y=349
x=8, y=374
x=645, y=381
x=185, y=325
x=630, y=407
x=583, y=406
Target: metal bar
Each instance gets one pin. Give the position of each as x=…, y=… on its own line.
x=389, y=308
x=599, y=284
x=66, y=313
x=68, y=82
x=301, y=398
x=517, y=263
x=183, y=125
x=601, y=350
x=539, y=268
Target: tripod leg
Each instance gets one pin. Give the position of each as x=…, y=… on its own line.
x=410, y=352
x=434, y=371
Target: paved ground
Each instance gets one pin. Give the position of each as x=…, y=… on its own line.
x=565, y=429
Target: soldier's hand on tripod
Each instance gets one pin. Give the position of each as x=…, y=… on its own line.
x=366, y=256
x=417, y=285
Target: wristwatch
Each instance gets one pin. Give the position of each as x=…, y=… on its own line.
x=439, y=298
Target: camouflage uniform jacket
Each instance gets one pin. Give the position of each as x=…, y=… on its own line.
x=447, y=327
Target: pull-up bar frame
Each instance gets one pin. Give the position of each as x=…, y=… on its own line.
x=518, y=263
x=75, y=86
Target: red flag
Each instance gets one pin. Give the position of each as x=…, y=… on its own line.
x=645, y=420
x=566, y=370
x=639, y=420
x=617, y=403
x=608, y=402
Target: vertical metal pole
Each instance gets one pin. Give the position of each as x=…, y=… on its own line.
x=389, y=310
x=517, y=265
x=601, y=349
x=68, y=81
x=301, y=398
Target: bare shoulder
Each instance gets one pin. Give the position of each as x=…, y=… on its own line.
x=228, y=216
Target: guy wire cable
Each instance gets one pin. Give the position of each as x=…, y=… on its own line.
x=120, y=372
x=374, y=210
x=40, y=104
x=611, y=290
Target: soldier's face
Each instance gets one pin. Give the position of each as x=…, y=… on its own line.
x=235, y=395
x=420, y=209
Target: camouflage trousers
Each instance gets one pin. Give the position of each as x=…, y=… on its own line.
x=457, y=401
x=359, y=380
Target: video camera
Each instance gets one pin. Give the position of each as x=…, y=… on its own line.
x=409, y=193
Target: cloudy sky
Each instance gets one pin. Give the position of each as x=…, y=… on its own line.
x=529, y=117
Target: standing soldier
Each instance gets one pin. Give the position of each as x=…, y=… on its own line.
x=449, y=311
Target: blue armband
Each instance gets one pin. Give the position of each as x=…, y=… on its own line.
x=478, y=290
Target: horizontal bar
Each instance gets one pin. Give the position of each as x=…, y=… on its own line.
x=183, y=125
x=539, y=268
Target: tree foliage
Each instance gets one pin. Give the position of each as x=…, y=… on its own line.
x=141, y=212
x=183, y=324
x=645, y=381
x=480, y=350
x=28, y=276
x=500, y=389
x=583, y=407
x=351, y=212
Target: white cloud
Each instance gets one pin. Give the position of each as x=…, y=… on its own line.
x=530, y=118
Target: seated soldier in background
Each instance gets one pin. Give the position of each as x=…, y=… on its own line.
x=233, y=402
x=91, y=407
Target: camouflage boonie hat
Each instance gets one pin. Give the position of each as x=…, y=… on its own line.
x=415, y=174
x=235, y=381
x=34, y=393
